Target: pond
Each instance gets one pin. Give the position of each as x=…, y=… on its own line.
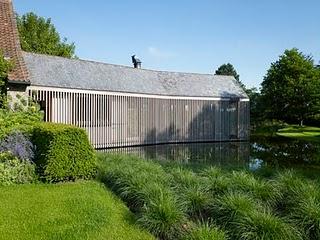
x=274, y=153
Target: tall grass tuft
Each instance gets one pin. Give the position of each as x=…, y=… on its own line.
x=163, y=217
x=217, y=180
x=256, y=225
x=306, y=215
x=193, y=192
x=260, y=189
x=227, y=209
x=205, y=231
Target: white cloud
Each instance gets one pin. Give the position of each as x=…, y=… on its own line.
x=157, y=53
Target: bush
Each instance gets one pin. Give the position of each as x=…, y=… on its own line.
x=18, y=144
x=63, y=152
x=14, y=170
x=19, y=120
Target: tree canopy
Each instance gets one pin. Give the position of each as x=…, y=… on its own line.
x=291, y=88
x=39, y=35
x=228, y=70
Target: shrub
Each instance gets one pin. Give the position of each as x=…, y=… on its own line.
x=19, y=120
x=206, y=232
x=63, y=152
x=18, y=144
x=14, y=170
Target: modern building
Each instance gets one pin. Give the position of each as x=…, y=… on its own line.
x=124, y=105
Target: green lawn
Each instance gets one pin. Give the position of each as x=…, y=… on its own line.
x=82, y=210
x=303, y=133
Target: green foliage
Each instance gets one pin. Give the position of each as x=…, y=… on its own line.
x=259, y=189
x=14, y=170
x=163, y=217
x=193, y=191
x=144, y=187
x=5, y=67
x=63, y=152
x=206, y=232
x=229, y=70
x=256, y=105
x=70, y=211
x=22, y=120
x=170, y=203
x=39, y=35
x=256, y=225
x=291, y=88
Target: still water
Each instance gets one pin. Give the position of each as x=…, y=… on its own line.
x=275, y=153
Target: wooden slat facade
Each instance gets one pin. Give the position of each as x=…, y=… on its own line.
x=114, y=119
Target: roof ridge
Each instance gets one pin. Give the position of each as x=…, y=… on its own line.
x=125, y=66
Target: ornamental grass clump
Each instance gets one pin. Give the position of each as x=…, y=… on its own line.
x=133, y=179
x=227, y=209
x=164, y=217
x=193, y=191
x=300, y=203
x=217, y=181
x=205, y=231
x=260, y=189
x=305, y=214
x=262, y=224
x=145, y=187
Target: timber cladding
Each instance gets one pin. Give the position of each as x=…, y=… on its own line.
x=118, y=119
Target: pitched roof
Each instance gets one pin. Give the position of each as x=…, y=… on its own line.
x=9, y=42
x=53, y=71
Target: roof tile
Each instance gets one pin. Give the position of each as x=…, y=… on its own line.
x=10, y=43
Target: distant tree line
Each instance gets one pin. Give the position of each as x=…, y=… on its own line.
x=290, y=90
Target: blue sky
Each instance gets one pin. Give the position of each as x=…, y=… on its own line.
x=189, y=36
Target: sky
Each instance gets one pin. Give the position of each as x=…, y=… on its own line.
x=186, y=35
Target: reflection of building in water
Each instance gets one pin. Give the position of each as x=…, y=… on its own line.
x=235, y=154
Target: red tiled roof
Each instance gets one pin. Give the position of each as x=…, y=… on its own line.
x=10, y=43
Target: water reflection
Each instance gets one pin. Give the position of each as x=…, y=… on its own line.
x=259, y=153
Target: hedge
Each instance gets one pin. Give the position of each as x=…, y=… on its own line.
x=63, y=152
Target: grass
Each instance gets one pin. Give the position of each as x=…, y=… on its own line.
x=170, y=202
x=301, y=133
x=81, y=210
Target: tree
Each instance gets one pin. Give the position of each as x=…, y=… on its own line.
x=229, y=70
x=39, y=35
x=256, y=112
x=5, y=67
x=291, y=88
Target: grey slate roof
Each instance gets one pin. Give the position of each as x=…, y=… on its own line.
x=53, y=71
